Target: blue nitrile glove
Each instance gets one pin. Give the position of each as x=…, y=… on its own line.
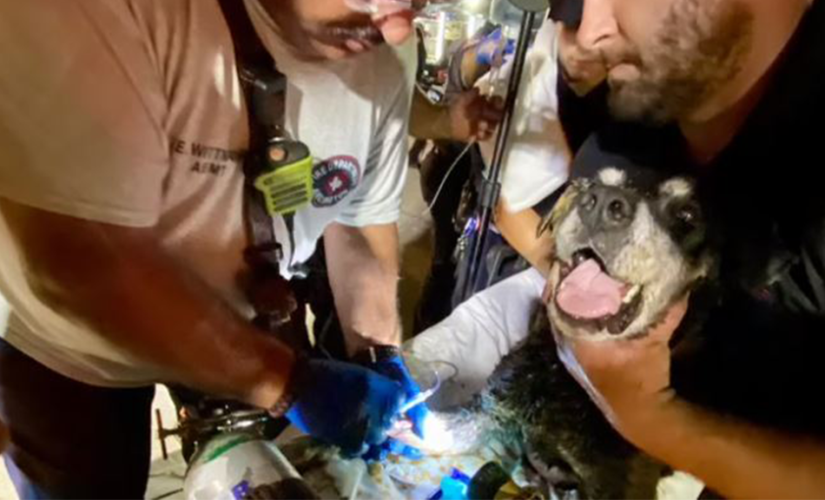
x=343, y=404
x=493, y=49
x=387, y=361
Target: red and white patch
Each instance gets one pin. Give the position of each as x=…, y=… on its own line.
x=333, y=179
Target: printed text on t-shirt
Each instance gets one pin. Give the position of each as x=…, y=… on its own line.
x=207, y=159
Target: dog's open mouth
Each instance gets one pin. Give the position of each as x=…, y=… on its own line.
x=588, y=295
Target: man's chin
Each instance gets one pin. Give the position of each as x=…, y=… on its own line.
x=319, y=52
x=636, y=103
x=331, y=53
x=339, y=54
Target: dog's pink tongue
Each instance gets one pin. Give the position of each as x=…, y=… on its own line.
x=588, y=293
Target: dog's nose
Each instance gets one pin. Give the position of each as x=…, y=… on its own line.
x=604, y=207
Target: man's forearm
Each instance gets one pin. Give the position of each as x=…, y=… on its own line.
x=736, y=459
x=428, y=121
x=363, y=266
x=520, y=230
x=119, y=282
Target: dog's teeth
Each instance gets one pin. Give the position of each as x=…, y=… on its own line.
x=631, y=294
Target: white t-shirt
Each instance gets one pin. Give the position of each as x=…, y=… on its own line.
x=130, y=113
x=537, y=160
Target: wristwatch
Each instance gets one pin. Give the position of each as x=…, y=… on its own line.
x=376, y=354
x=288, y=397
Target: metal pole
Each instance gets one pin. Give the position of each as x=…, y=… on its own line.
x=491, y=187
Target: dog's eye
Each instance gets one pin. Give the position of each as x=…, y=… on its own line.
x=687, y=213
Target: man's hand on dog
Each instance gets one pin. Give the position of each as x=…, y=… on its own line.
x=629, y=379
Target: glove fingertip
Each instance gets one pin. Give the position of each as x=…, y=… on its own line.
x=418, y=427
x=394, y=446
x=412, y=453
x=399, y=399
x=387, y=422
x=376, y=453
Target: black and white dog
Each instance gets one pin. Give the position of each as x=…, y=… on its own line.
x=623, y=254
x=627, y=247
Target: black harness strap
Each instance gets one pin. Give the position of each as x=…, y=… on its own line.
x=264, y=90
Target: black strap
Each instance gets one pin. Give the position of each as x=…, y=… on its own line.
x=264, y=88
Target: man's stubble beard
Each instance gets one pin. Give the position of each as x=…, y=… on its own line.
x=700, y=46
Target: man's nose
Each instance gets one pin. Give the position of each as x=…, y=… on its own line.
x=396, y=27
x=604, y=208
x=597, y=25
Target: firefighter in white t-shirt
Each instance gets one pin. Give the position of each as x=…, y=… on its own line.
x=540, y=145
x=123, y=127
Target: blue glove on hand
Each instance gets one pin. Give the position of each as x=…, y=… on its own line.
x=493, y=49
x=388, y=362
x=343, y=404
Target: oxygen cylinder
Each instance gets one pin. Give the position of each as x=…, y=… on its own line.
x=242, y=466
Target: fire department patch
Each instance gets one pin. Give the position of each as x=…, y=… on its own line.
x=333, y=179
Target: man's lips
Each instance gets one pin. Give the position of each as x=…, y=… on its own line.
x=621, y=61
x=623, y=72
x=365, y=35
x=350, y=39
x=342, y=34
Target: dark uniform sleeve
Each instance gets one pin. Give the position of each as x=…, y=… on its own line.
x=581, y=116
x=762, y=355
x=802, y=286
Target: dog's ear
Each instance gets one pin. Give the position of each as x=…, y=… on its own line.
x=546, y=225
x=560, y=209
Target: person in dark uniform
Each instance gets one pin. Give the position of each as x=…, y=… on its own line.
x=736, y=88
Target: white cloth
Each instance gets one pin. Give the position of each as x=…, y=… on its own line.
x=537, y=160
x=131, y=113
x=478, y=334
